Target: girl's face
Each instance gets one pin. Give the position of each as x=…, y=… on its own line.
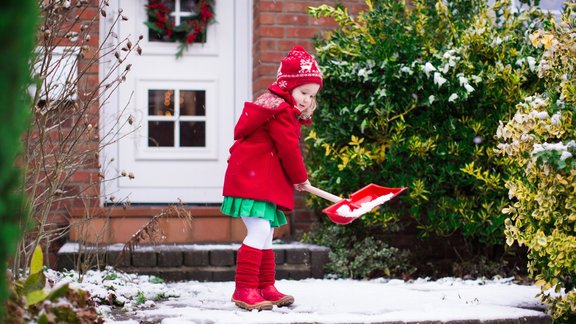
x=304, y=95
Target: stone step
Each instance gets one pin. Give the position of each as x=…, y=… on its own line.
x=202, y=262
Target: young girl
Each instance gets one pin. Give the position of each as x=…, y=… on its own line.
x=264, y=168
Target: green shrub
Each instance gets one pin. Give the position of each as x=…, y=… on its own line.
x=353, y=256
x=540, y=140
x=412, y=98
x=17, y=23
x=34, y=300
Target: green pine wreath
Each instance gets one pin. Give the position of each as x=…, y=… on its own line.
x=188, y=32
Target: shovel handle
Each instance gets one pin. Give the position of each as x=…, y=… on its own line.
x=323, y=194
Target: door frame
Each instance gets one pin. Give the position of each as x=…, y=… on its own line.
x=242, y=76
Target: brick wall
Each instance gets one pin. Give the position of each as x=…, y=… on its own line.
x=279, y=26
x=66, y=119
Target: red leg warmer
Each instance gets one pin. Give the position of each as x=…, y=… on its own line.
x=246, y=295
x=267, y=280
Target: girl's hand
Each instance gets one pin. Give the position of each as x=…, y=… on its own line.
x=302, y=186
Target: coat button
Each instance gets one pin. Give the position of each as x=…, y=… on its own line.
x=272, y=153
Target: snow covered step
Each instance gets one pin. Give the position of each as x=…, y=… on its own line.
x=203, y=262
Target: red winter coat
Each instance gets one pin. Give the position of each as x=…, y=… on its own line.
x=265, y=161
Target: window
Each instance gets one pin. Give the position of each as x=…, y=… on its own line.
x=177, y=122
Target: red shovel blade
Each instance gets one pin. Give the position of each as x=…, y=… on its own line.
x=360, y=202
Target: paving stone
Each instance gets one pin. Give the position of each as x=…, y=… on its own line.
x=297, y=256
x=66, y=261
x=116, y=259
x=200, y=274
x=223, y=274
x=280, y=256
x=318, y=260
x=196, y=258
x=144, y=259
x=169, y=258
x=222, y=257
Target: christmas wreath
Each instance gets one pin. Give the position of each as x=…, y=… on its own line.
x=189, y=31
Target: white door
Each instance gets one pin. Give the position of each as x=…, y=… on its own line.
x=184, y=109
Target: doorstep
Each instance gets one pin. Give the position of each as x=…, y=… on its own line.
x=202, y=262
x=110, y=225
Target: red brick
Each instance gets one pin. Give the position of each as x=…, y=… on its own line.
x=286, y=45
x=266, y=18
x=301, y=7
x=266, y=44
x=274, y=6
x=271, y=57
x=324, y=22
x=84, y=176
x=291, y=19
x=270, y=31
x=265, y=70
x=89, y=13
x=301, y=32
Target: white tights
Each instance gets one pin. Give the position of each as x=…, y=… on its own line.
x=260, y=233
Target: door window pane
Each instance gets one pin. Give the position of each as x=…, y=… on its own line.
x=193, y=102
x=160, y=134
x=161, y=102
x=193, y=134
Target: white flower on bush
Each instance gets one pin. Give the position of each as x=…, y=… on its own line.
x=540, y=114
x=453, y=97
x=476, y=79
x=428, y=67
x=431, y=99
x=559, y=147
x=556, y=119
x=438, y=79
x=406, y=69
x=462, y=80
x=445, y=68
x=364, y=73
x=531, y=63
x=468, y=88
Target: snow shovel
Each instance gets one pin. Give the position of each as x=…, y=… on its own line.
x=344, y=211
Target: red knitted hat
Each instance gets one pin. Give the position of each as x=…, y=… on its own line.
x=298, y=68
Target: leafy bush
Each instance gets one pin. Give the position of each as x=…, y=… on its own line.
x=352, y=256
x=540, y=140
x=33, y=300
x=412, y=97
x=17, y=23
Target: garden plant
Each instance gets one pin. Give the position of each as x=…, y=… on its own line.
x=539, y=139
x=413, y=97
x=18, y=44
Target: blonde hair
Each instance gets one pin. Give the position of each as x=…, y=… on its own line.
x=308, y=112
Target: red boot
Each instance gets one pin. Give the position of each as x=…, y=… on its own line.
x=247, y=295
x=266, y=282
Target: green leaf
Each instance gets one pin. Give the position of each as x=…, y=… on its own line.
x=37, y=260
x=59, y=292
x=35, y=297
x=35, y=281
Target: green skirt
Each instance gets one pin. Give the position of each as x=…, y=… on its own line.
x=241, y=207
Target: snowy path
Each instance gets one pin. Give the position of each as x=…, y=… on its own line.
x=348, y=301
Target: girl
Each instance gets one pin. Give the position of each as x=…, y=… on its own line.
x=264, y=168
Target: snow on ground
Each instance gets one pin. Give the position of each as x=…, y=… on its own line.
x=317, y=300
